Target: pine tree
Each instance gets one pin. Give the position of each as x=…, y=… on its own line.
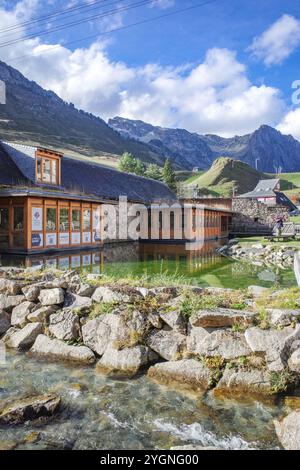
x=154, y=172
x=127, y=163
x=169, y=175
x=140, y=168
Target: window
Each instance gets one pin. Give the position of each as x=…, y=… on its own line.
x=64, y=225
x=76, y=220
x=87, y=220
x=47, y=170
x=50, y=220
x=4, y=219
x=18, y=218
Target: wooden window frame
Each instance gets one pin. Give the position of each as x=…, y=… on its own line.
x=52, y=158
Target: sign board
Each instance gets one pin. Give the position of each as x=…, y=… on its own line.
x=64, y=239
x=76, y=238
x=51, y=239
x=37, y=219
x=37, y=240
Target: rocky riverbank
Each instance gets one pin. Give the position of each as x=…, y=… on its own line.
x=219, y=341
x=260, y=254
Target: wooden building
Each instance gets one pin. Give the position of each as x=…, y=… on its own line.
x=51, y=202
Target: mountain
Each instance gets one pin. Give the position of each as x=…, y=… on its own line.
x=227, y=174
x=266, y=148
x=34, y=115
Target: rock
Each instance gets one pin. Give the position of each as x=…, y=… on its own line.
x=292, y=402
x=268, y=342
x=282, y=317
x=10, y=287
x=294, y=361
x=9, y=333
x=105, y=294
x=167, y=344
x=8, y=302
x=4, y=322
x=143, y=291
x=288, y=431
x=97, y=333
x=52, y=296
x=20, y=313
x=220, y=318
x=240, y=382
x=187, y=372
x=42, y=314
x=175, y=320
x=64, y=325
x=31, y=292
x=28, y=409
x=85, y=290
x=257, y=291
x=225, y=343
x=128, y=361
x=24, y=339
x=57, y=350
x=191, y=447
x=78, y=303
x=194, y=340
x=155, y=320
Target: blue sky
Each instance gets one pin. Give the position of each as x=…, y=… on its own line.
x=226, y=67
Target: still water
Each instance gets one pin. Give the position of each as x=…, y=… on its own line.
x=200, y=267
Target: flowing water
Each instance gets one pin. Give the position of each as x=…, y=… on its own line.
x=102, y=413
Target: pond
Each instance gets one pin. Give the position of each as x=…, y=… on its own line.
x=203, y=267
x=101, y=413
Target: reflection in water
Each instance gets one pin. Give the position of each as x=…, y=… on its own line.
x=204, y=267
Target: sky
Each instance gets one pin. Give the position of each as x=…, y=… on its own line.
x=225, y=67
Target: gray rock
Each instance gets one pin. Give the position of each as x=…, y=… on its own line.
x=143, y=291
x=127, y=361
x=239, y=382
x=194, y=340
x=167, y=344
x=85, y=290
x=31, y=292
x=24, y=338
x=58, y=350
x=10, y=286
x=42, y=314
x=191, y=447
x=288, y=431
x=105, y=294
x=28, y=409
x=4, y=322
x=64, y=325
x=97, y=333
x=282, y=317
x=294, y=361
x=268, y=342
x=175, y=320
x=225, y=343
x=8, y=302
x=220, y=318
x=257, y=291
x=9, y=333
x=20, y=313
x=155, y=320
x=187, y=372
x=78, y=303
x=51, y=296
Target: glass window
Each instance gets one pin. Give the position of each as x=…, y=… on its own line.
x=76, y=220
x=64, y=225
x=54, y=172
x=39, y=169
x=18, y=218
x=3, y=218
x=47, y=170
x=87, y=220
x=50, y=220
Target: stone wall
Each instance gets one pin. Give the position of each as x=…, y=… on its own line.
x=250, y=215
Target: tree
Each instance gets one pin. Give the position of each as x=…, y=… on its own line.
x=154, y=172
x=127, y=163
x=140, y=168
x=169, y=175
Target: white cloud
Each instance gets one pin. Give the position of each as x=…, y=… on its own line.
x=278, y=42
x=290, y=124
x=162, y=4
x=214, y=96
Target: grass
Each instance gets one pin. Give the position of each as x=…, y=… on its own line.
x=281, y=382
x=248, y=241
x=145, y=280
x=285, y=299
x=103, y=308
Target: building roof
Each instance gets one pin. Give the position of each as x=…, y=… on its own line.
x=264, y=188
x=17, y=168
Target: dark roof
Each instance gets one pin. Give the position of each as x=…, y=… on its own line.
x=264, y=188
x=79, y=177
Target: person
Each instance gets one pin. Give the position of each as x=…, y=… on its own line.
x=279, y=225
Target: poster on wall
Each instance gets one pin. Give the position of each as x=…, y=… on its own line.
x=64, y=239
x=96, y=220
x=87, y=237
x=37, y=219
x=36, y=240
x=76, y=238
x=51, y=239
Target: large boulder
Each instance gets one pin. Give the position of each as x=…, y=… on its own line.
x=175, y=320
x=282, y=317
x=288, y=431
x=24, y=338
x=97, y=333
x=220, y=318
x=127, y=361
x=58, y=350
x=54, y=296
x=27, y=409
x=225, y=343
x=240, y=382
x=10, y=286
x=20, y=313
x=78, y=303
x=8, y=302
x=85, y=290
x=294, y=362
x=31, y=292
x=4, y=322
x=187, y=372
x=64, y=325
x=167, y=344
x=106, y=294
x=196, y=336
x=42, y=314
